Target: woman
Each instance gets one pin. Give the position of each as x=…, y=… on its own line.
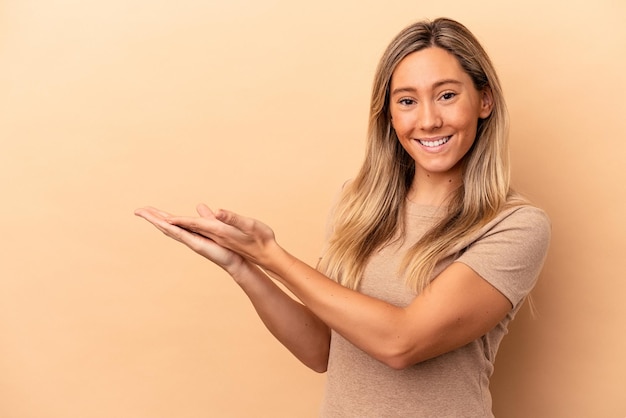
x=431, y=253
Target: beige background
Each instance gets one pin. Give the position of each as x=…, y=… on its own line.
x=261, y=107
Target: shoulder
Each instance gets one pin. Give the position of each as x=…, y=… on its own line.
x=522, y=213
x=523, y=228
x=525, y=220
x=509, y=251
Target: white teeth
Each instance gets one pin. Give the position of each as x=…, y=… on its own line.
x=434, y=143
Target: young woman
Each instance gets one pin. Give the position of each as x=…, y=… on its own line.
x=431, y=253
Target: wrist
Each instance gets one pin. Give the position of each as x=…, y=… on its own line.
x=278, y=261
x=240, y=270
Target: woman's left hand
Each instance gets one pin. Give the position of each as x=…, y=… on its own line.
x=248, y=237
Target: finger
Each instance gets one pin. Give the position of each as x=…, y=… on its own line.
x=205, y=211
x=148, y=214
x=208, y=226
x=171, y=231
x=141, y=212
x=237, y=221
x=159, y=219
x=148, y=210
x=161, y=213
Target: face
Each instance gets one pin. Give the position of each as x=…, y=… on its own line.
x=435, y=110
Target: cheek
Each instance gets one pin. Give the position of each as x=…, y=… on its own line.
x=393, y=119
x=401, y=124
x=465, y=120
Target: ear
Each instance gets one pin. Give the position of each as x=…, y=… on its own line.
x=486, y=102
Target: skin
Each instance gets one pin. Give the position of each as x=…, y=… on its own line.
x=292, y=323
x=432, y=98
x=456, y=308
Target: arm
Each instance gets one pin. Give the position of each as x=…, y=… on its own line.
x=458, y=307
x=292, y=323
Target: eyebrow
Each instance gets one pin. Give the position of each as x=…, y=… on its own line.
x=435, y=85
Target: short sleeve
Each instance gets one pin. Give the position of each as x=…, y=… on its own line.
x=510, y=251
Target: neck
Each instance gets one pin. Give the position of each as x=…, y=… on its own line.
x=433, y=189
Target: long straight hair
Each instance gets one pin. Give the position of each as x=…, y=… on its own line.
x=371, y=210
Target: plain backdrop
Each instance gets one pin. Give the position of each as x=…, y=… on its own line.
x=261, y=107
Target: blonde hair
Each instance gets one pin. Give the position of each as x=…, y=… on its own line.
x=371, y=210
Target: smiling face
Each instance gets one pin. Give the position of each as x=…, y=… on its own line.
x=435, y=110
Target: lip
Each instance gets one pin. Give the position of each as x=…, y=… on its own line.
x=444, y=139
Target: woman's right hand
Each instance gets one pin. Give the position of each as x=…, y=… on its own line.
x=223, y=257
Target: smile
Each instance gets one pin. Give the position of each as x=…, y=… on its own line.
x=436, y=143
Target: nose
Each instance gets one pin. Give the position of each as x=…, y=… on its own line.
x=428, y=117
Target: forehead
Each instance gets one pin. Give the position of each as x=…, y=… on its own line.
x=426, y=67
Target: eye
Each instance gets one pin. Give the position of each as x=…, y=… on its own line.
x=448, y=95
x=406, y=101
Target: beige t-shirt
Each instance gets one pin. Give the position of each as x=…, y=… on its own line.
x=509, y=253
